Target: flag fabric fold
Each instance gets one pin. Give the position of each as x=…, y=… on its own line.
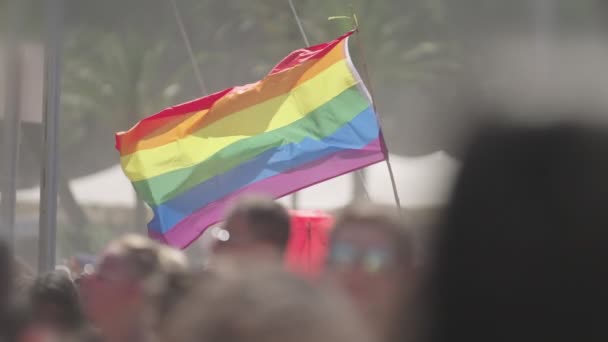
x=310, y=119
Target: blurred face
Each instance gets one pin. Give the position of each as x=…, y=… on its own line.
x=241, y=242
x=363, y=261
x=111, y=297
x=50, y=315
x=39, y=333
x=74, y=266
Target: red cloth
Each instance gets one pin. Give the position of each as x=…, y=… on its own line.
x=308, y=243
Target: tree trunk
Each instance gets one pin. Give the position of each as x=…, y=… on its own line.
x=140, y=215
x=73, y=210
x=76, y=214
x=132, y=103
x=359, y=180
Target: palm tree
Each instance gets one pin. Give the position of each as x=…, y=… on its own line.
x=108, y=87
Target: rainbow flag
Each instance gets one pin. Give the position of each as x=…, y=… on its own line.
x=310, y=119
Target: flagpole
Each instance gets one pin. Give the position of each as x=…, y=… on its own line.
x=48, y=188
x=186, y=38
x=359, y=173
x=371, y=93
x=294, y=196
x=299, y=22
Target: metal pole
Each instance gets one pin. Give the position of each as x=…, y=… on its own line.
x=11, y=123
x=299, y=22
x=48, y=189
x=371, y=92
x=182, y=29
x=10, y=144
x=294, y=196
x=393, y=183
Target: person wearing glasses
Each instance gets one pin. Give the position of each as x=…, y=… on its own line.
x=371, y=259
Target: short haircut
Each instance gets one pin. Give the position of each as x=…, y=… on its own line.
x=57, y=288
x=147, y=258
x=162, y=271
x=380, y=217
x=269, y=221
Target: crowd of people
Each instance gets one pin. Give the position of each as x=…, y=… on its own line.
x=520, y=254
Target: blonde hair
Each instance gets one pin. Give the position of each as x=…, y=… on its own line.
x=146, y=257
x=161, y=270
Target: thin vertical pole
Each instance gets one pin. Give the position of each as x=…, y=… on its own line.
x=393, y=183
x=11, y=123
x=48, y=189
x=294, y=11
x=10, y=144
x=299, y=22
x=360, y=173
x=371, y=92
x=186, y=38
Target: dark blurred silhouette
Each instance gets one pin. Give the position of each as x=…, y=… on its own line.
x=55, y=304
x=522, y=253
x=5, y=286
x=257, y=227
x=261, y=303
x=371, y=258
x=13, y=275
x=5, y=275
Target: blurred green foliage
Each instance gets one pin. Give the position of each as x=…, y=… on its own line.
x=125, y=59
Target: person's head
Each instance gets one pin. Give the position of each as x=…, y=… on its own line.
x=55, y=303
x=371, y=257
x=129, y=284
x=257, y=227
x=15, y=281
x=260, y=303
x=522, y=252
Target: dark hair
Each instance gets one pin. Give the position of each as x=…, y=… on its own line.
x=269, y=221
x=58, y=289
x=522, y=253
x=13, y=312
x=5, y=274
x=383, y=218
x=5, y=290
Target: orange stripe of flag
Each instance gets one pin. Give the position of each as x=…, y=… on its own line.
x=272, y=86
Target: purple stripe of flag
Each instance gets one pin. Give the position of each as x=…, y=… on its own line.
x=278, y=186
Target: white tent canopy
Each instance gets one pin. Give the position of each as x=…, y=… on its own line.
x=421, y=182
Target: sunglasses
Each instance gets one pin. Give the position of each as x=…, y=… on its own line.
x=344, y=255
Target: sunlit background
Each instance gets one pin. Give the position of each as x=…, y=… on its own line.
x=127, y=59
